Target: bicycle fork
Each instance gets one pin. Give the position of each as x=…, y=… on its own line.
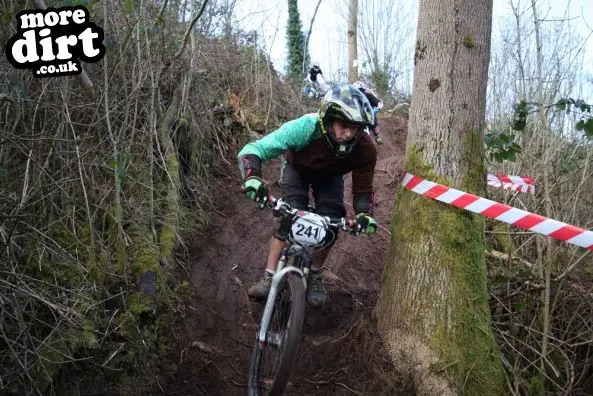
x=267, y=315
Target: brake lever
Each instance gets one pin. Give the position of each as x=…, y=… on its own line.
x=276, y=209
x=349, y=226
x=344, y=225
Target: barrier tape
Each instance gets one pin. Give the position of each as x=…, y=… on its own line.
x=515, y=183
x=501, y=212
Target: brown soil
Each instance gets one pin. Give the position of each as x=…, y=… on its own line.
x=341, y=353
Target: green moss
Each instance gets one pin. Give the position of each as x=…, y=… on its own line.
x=145, y=256
x=473, y=161
x=468, y=42
x=168, y=241
x=145, y=260
x=171, y=208
x=137, y=303
x=468, y=355
x=85, y=337
x=71, y=262
x=128, y=324
x=52, y=355
x=131, y=320
x=48, y=363
x=501, y=234
x=420, y=51
x=537, y=384
x=120, y=247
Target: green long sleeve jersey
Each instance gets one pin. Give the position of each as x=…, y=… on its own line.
x=301, y=143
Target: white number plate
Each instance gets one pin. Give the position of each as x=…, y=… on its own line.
x=308, y=230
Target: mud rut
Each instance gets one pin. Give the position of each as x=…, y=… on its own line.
x=340, y=352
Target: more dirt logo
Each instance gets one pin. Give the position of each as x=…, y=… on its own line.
x=52, y=42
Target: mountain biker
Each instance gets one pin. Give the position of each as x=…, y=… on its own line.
x=319, y=149
x=314, y=71
x=377, y=106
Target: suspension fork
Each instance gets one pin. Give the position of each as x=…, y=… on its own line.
x=280, y=274
x=267, y=315
x=305, y=264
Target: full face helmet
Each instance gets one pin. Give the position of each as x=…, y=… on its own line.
x=349, y=105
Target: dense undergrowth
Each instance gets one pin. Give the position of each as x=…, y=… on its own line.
x=99, y=190
x=540, y=288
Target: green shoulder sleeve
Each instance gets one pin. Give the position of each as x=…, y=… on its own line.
x=292, y=135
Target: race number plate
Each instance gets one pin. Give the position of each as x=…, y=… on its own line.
x=308, y=230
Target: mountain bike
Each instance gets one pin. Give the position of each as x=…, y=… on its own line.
x=315, y=91
x=278, y=338
x=309, y=91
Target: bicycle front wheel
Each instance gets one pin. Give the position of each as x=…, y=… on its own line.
x=272, y=361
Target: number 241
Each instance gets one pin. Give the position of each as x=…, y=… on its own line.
x=308, y=231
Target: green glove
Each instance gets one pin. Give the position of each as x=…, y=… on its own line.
x=365, y=223
x=256, y=189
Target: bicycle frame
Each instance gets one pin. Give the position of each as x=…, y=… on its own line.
x=300, y=247
x=282, y=271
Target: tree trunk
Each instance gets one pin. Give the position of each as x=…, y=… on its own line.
x=352, y=42
x=547, y=259
x=433, y=308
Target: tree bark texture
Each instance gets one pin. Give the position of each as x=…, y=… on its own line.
x=433, y=309
x=353, y=42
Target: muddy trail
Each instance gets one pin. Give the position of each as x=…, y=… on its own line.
x=340, y=352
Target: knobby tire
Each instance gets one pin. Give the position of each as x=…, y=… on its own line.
x=294, y=290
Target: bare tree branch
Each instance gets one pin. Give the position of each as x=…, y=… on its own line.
x=189, y=28
x=309, y=35
x=162, y=11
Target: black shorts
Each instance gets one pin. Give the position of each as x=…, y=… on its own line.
x=328, y=194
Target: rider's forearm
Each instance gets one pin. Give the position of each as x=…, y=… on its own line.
x=250, y=165
x=362, y=186
x=363, y=203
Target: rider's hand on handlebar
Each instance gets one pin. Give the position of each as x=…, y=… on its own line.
x=366, y=223
x=257, y=190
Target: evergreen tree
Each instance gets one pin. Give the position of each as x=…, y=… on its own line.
x=296, y=44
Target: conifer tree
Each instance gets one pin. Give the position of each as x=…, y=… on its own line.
x=296, y=43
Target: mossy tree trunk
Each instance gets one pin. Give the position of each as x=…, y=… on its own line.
x=433, y=308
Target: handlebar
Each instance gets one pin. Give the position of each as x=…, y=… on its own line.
x=285, y=209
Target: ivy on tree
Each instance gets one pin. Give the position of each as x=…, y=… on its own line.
x=585, y=123
x=296, y=43
x=501, y=146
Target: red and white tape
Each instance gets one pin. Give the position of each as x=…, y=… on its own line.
x=505, y=213
x=515, y=183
